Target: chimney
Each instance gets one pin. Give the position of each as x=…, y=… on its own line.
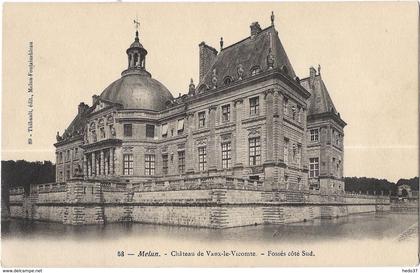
x=255, y=29
x=94, y=99
x=82, y=108
x=312, y=74
x=207, y=57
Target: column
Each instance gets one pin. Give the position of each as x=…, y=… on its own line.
x=85, y=167
x=101, y=163
x=189, y=146
x=269, y=164
x=93, y=163
x=212, y=150
x=237, y=144
x=111, y=160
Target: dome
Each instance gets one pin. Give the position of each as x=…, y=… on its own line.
x=137, y=90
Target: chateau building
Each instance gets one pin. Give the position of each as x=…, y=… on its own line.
x=249, y=117
x=250, y=144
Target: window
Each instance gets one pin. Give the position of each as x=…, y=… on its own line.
x=201, y=119
x=255, y=70
x=226, y=155
x=314, y=135
x=150, y=130
x=285, y=106
x=68, y=174
x=286, y=151
x=165, y=164
x=254, y=151
x=299, y=154
x=128, y=164
x=313, y=167
x=181, y=161
x=299, y=114
x=226, y=113
x=102, y=132
x=149, y=168
x=202, y=158
x=254, y=106
x=180, y=127
x=76, y=152
x=227, y=81
x=164, y=130
x=61, y=175
x=68, y=155
x=293, y=112
x=128, y=130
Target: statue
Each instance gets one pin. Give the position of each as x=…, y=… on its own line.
x=240, y=71
x=58, y=137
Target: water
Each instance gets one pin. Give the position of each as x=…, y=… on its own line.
x=377, y=231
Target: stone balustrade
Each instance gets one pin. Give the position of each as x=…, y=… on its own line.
x=16, y=191
x=199, y=183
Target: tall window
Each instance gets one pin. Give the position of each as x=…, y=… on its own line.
x=150, y=130
x=181, y=161
x=313, y=167
x=128, y=130
x=254, y=151
x=128, y=164
x=180, y=126
x=226, y=113
x=285, y=106
x=201, y=119
x=164, y=130
x=299, y=114
x=165, y=164
x=202, y=158
x=299, y=154
x=314, y=135
x=254, y=106
x=286, y=151
x=149, y=162
x=226, y=155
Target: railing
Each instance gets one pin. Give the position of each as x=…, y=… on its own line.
x=199, y=183
x=16, y=191
x=49, y=187
x=113, y=187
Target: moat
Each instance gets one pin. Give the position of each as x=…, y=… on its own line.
x=102, y=242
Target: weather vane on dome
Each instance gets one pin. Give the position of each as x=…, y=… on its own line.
x=137, y=24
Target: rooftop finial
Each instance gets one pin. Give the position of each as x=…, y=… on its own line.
x=221, y=43
x=272, y=18
x=137, y=24
x=319, y=69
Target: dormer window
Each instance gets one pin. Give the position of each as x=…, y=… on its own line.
x=227, y=81
x=255, y=70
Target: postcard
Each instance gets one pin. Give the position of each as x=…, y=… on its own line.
x=257, y=134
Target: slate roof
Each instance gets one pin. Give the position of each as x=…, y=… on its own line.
x=320, y=101
x=76, y=127
x=250, y=52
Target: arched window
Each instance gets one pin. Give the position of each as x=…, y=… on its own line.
x=202, y=88
x=255, y=70
x=136, y=59
x=227, y=80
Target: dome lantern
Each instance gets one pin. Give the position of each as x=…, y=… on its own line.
x=136, y=53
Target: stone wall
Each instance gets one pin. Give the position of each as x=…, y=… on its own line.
x=202, y=203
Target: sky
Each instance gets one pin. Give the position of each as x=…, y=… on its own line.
x=368, y=54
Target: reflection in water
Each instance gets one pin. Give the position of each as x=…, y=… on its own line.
x=354, y=227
